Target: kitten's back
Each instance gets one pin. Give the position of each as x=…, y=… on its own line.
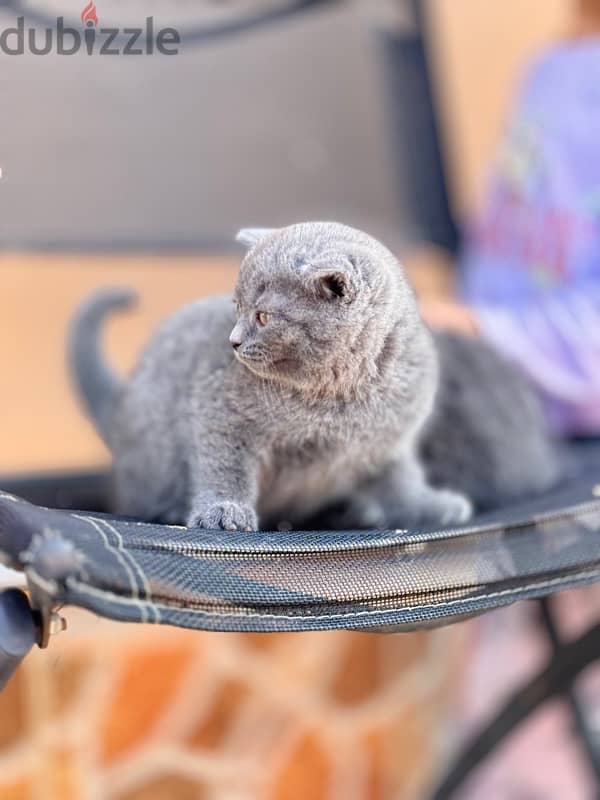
x=487, y=436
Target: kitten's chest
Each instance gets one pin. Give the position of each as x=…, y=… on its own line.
x=298, y=481
x=305, y=469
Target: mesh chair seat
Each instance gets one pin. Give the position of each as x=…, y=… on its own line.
x=317, y=580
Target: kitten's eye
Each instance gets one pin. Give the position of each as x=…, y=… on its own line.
x=262, y=317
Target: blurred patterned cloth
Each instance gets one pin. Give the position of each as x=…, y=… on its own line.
x=532, y=259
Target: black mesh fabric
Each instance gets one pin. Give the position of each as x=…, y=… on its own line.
x=318, y=580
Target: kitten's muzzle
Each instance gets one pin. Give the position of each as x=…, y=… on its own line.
x=235, y=338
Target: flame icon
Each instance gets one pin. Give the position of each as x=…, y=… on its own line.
x=89, y=16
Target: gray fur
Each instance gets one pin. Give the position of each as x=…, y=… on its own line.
x=325, y=401
x=487, y=436
x=98, y=386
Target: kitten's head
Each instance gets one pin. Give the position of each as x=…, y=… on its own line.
x=320, y=306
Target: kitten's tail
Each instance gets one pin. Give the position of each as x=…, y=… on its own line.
x=98, y=386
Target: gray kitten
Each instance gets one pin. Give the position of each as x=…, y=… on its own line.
x=312, y=386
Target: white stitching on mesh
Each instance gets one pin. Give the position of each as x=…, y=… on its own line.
x=129, y=555
x=120, y=558
x=136, y=567
x=106, y=595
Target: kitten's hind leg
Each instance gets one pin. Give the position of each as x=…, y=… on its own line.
x=410, y=502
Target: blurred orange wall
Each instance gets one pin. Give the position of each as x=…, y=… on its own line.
x=479, y=50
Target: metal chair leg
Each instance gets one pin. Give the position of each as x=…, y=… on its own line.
x=567, y=662
x=577, y=711
x=18, y=632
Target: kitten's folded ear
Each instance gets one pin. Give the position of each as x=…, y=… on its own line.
x=335, y=285
x=251, y=236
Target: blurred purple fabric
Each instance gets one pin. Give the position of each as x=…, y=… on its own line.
x=531, y=263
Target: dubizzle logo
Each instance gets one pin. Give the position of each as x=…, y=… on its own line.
x=67, y=41
x=89, y=15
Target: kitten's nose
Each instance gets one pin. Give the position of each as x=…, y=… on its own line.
x=235, y=338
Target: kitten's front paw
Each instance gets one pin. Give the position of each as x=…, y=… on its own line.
x=226, y=516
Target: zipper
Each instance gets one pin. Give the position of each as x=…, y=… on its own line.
x=231, y=552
